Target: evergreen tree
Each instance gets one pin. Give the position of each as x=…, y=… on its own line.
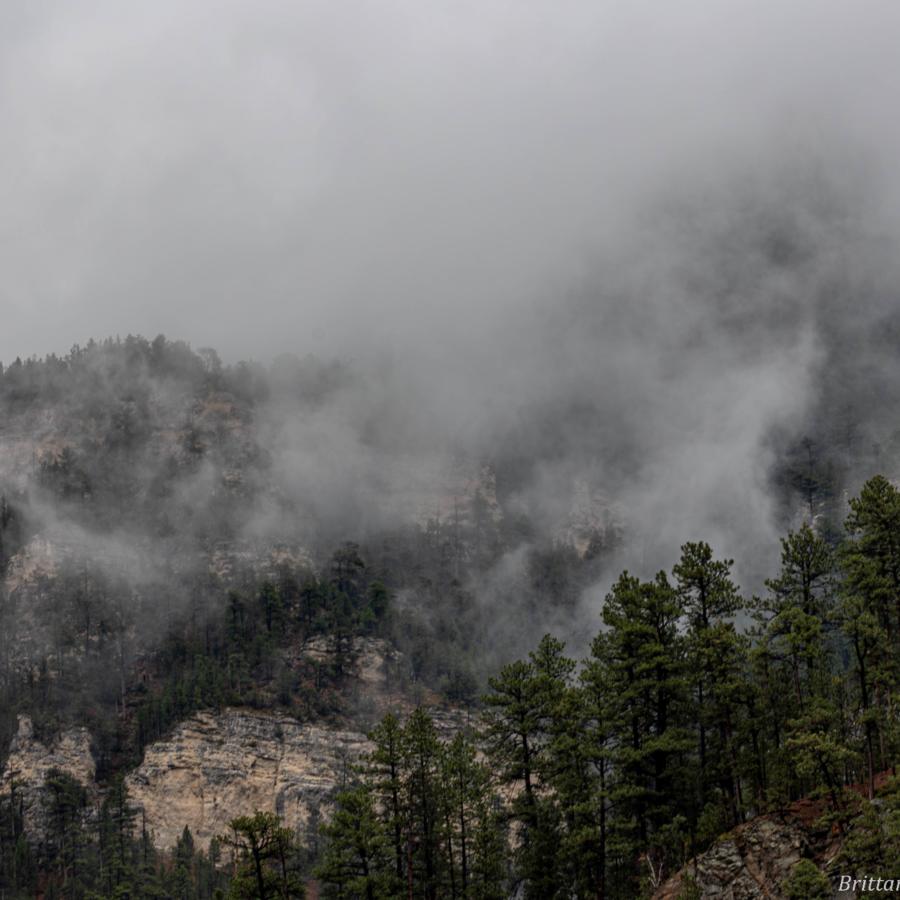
x=427, y=865
x=357, y=864
x=646, y=683
x=709, y=599
x=65, y=801
x=870, y=614
x=517, y=711
x=474, y=836
x=264, y=859
x=871, y=556
x=386, y=764
x=117, y=824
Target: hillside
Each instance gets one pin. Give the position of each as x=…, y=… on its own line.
x=207, y=616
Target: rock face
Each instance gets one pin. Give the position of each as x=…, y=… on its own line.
x=30, y=760
x=753, y=861
x=216, y=767
x=749, y=863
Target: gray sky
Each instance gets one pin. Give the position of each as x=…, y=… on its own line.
x=327, y=176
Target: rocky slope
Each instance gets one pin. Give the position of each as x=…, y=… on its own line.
x=212, y=768
x=753, y=861
x=30, y=760
x=215, y=767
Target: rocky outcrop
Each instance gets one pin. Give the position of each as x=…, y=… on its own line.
x=30, y=760
x=753, y=861
x=593, y=523
x=748, y=864
x=216, y=767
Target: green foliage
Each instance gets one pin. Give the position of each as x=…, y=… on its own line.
x=357, y=860
x=594, y=777
x=679, y=726
x=94, y=854
x=422, y=820
x=614, y=773
x=638, y=673
x=266, y=864
x=806, y=882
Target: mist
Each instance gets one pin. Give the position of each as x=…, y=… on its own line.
x=624, y=256
x=324, y=177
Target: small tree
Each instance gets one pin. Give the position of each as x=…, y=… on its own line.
x=806, y=882
x=264, y=864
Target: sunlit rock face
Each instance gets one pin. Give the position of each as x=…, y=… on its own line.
x=217, y=767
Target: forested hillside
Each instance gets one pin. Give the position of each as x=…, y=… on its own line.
x=605, y=775
x=158, y=553
x=449, y=450
x=157, y=564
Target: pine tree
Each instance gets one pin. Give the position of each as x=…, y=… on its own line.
x=598, y=711
x=183, y=866
x=474, y=836
x=870, y=614
x=709, y=599
x=792, y=661
x=576, y=767
x=117, y=824
x=65, y=800
x=427, y=865
x=798, y=610
x=386, y=764
x=264, y=864
x=512, y=721
x=516, y=713
x=871, y=555
x=646, y=682
x=357, y=864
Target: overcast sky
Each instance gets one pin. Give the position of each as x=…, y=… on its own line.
x=276, y=176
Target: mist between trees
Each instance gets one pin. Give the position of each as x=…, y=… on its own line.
x=601, y=776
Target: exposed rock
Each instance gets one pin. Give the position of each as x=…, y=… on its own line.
x=593, y=522
x=753, y=861
x=216, y=767
x=30, y=760
x=372, y=688
x=39, y=559
x=454, y=492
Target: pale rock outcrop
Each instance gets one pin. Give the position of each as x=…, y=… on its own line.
x=219, y=765
x=216, y=767
x=594, y=522
x=30, y=760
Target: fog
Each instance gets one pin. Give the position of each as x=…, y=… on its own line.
x=319, y=175
x=638, y=246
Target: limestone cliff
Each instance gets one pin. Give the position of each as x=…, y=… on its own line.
x=30, y=760
x=215, y=767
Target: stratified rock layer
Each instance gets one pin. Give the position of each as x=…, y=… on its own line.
x=216, y=767
x=30, y=760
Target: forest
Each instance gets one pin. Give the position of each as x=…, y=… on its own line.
x=599, y=777
x=582, y=778
x=449, y=451
x=693, y=709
